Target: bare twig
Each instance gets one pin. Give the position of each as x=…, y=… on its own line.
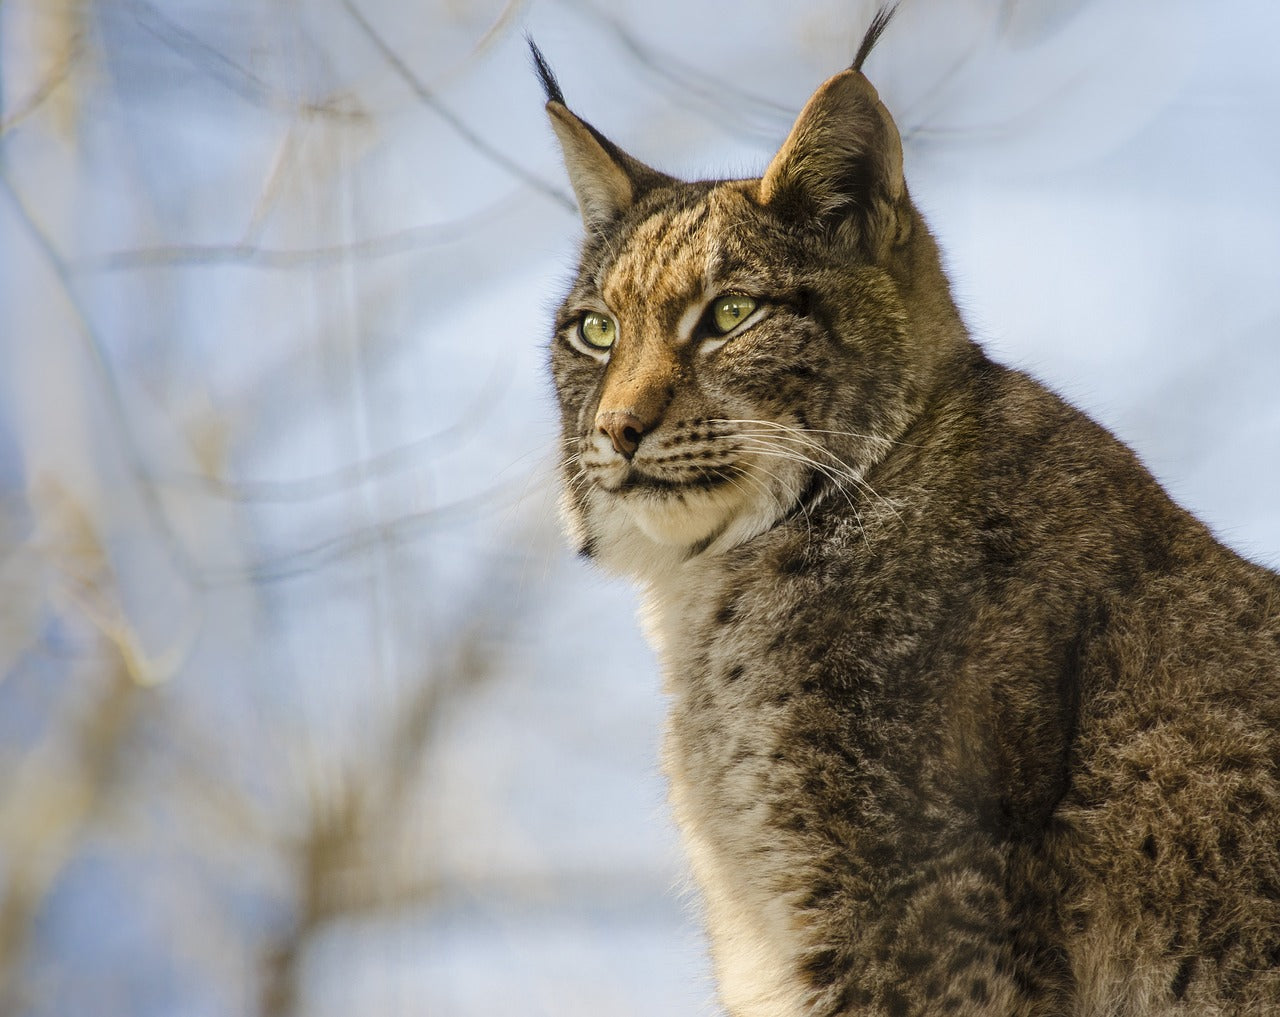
x=344, y=865
x=368, y=469
x=56, y=78
x=460, y=126
x=177, y=551
x=399, y=242
x=53, y=795
x=735, y=109
x=305, y=561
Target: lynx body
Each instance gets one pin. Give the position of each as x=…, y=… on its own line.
x=967, y=716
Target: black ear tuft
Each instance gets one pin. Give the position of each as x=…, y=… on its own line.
x=549, y=83
x=876, y=29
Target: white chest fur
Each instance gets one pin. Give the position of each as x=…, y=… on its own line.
x=756, y=941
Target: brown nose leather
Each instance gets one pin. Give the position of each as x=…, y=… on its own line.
x=623, y=428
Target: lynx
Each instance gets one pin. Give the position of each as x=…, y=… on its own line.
x=967, y=717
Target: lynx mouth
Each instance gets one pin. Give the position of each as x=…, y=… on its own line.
x=637, y=481
x=692, y=502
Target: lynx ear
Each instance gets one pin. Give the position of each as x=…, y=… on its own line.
x=605, y=179
x=842, y=160
x=601, y=183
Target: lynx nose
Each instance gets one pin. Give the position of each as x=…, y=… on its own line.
x=623, y=428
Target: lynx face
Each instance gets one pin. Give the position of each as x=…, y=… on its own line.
x=705, y=418
x=729, y=351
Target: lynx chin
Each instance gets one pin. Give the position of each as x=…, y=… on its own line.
x=967, y=717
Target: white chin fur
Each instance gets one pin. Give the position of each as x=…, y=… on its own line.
x=687, y=520
x=647, y=537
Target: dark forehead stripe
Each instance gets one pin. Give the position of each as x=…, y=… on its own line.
x=662, y=257
x=668, y=202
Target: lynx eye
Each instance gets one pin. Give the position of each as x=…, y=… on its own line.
x=728, y=312
x=597, y=330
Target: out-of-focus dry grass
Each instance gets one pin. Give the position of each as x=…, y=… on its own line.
x=64, y=779
x=130, y=534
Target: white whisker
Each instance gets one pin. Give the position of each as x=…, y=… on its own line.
x=778, y=505
x=785, y=432
x=817, y=430
x=763, y=448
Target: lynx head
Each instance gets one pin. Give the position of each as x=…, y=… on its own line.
x=732, y=352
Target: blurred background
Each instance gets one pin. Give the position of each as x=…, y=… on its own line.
x=304, y=708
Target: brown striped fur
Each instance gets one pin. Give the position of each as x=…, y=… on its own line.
x=967, y=716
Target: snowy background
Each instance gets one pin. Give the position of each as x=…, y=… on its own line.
x=304, y=710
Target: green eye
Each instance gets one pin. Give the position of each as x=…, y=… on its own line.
x=597, y=330
x=727, y=313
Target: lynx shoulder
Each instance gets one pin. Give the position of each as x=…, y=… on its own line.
x=967, y=716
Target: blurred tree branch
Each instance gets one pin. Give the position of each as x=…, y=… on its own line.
x=101, y=363
x=58, y=37
x=461, y=127
x=104, y=731
x=51, y=799
x=234, y=76
x=740, y=111
x=343, y=862
x=403, y=241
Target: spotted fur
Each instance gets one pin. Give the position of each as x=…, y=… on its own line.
x=967, y=716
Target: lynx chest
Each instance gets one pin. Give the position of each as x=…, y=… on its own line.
x=724, y=758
